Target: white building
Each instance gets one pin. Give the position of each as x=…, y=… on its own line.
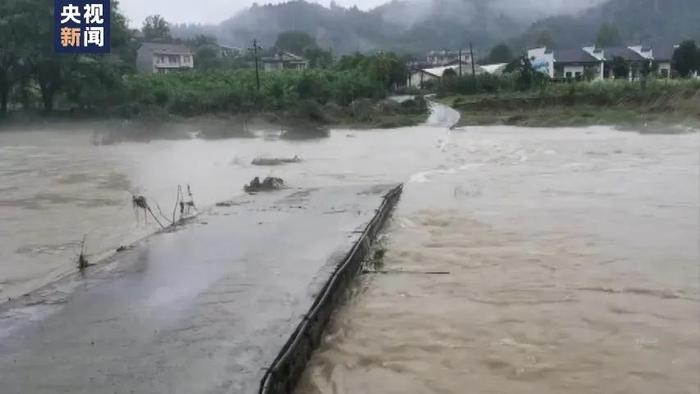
x=661, y=56
x=163, y=58
x=445, y=57
x=421, y=76
x=566, y=63
x=284, y=61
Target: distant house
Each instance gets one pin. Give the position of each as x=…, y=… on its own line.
x=284, y=61
x=163, y=58
x=597, y=62
x=229, y=51
x=420, y=76
x=660, y=56
x=566, y=63
x=446, y=57
x=494, y=69
x=608, y=55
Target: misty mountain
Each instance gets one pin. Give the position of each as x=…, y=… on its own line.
x=638, y=21
x=412, y=26
x=416, y=26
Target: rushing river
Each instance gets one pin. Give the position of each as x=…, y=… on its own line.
x=569, y=256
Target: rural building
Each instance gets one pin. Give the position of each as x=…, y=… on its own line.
x=596, y=63
x=422, y=75
x=660, y=56
x=565, y=63
x=160, y=58
x=284, y=61
x=229, y=51
x=445, y=57
x=494, y=69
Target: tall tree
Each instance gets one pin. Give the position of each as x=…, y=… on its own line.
x=545, y=40
x=686, y=58
x=9, y=52
x=295, y=41
x=156, y=28
x=501, y=53
x=620, y=68
x=608, y=36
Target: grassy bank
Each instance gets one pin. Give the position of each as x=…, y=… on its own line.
x=621, y=103
x=288, y=99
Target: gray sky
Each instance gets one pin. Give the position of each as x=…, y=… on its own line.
x=206, y=11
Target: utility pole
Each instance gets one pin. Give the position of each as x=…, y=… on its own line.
x=255, y=55
x=471, y=56
x=460, y=61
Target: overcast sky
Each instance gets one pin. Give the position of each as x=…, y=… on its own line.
x=206, y=11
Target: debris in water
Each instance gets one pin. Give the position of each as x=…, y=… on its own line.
x=269, y=184
x=82, y=257
x=275, y=161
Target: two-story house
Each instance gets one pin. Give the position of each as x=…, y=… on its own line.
x=163, y=58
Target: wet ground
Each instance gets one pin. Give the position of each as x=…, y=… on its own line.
x=202, y=309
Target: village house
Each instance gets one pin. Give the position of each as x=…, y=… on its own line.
x=608, y=54
x=420, y=76
x=660, y=56
x=284, y=61
x=445, y=57
x=596, y=63
x=229, y=51
x=160, y=58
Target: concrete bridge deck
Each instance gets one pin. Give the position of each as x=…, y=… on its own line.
x=201, y=309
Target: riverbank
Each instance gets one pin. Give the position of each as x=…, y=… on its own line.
x=670, y=107
x=306, y=119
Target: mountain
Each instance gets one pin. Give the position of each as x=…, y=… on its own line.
x=638, y=21
x=417, y=26
x=410, y=26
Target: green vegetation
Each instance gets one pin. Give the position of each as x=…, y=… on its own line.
x=657, y=102
x=653, y=22
x=608, y=36
x=501, y=53
x=33, y=77
x=686, y=59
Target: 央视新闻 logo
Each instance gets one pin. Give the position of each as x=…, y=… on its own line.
x=82, y=26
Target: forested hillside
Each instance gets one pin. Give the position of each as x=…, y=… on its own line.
x=637, y=21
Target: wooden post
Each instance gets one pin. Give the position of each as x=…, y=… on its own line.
x=460, y=61
x=257, y=71
x=471, y=56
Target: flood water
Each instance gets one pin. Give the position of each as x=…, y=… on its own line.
x=569, y=256
x=532, y=261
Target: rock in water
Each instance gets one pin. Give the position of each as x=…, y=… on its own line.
x=269, y=184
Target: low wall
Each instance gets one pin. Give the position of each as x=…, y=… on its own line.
x=284, y=373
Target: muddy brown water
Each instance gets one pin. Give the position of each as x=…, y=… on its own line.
x=573, y=268
x=572, y=253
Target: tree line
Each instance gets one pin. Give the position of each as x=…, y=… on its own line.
x=33, y=76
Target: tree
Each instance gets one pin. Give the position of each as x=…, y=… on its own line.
x=295, y=41
x=318, y=58
x=620, y=68
x=9, y=53
x=686, y=58
x=500, y=54
x=608, y=36
x=545, y=40
x=449, y=73
x=156, y=28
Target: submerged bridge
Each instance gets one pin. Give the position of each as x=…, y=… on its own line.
x=232, y=302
